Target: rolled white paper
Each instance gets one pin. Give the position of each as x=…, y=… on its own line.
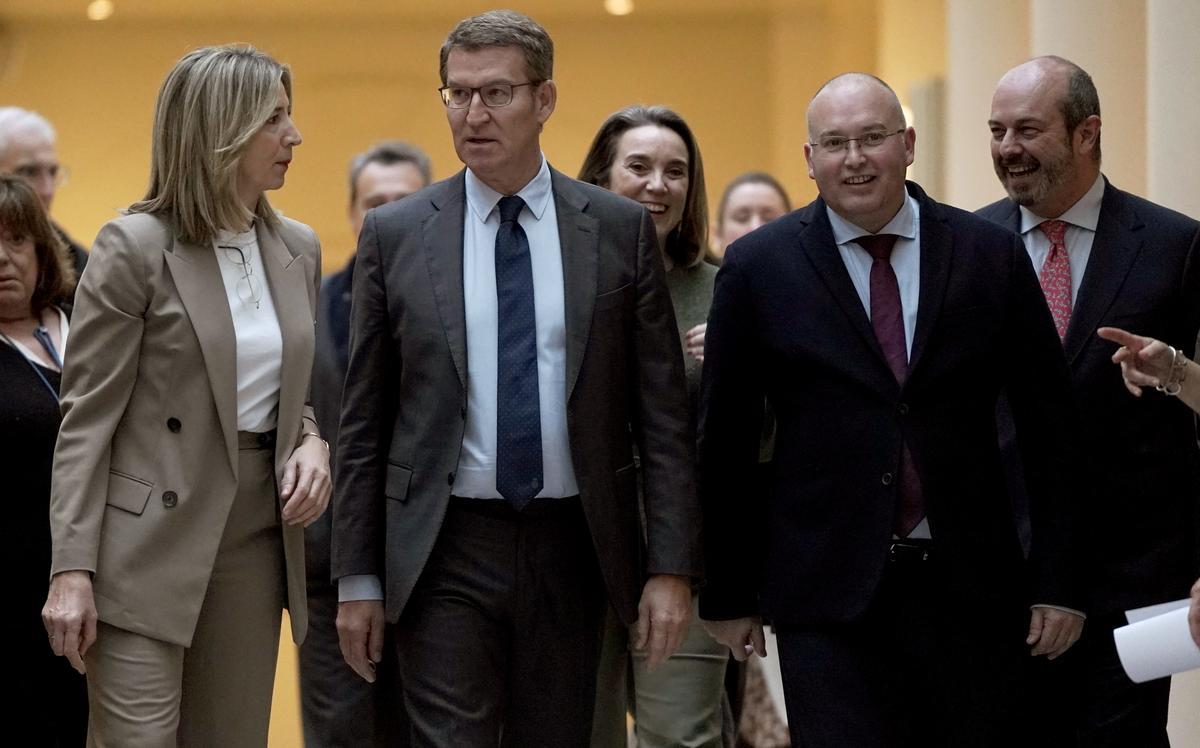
x=1158, y=646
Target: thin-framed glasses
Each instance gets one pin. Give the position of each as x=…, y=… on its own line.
x=492, y=95
x=867, y=141
x=34, y=173
x=253, y=290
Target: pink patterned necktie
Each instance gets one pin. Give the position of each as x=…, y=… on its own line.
x=1056, y=275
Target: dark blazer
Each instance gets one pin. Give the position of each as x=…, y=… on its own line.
x=405, y=402
x=1142, y=475
x=787, y=323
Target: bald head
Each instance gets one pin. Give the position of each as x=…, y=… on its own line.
x=1045, y=126
x=859, y=149
x=853, y=85
x=27, y=150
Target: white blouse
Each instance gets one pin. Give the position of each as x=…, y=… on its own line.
x=256, y=329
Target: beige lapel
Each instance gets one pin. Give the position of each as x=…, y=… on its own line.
x=290, y=291
x=198, y=280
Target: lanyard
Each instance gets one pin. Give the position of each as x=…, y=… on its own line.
x=49, y=346
x=42, y=335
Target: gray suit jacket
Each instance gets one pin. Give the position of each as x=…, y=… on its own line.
x=405, y=401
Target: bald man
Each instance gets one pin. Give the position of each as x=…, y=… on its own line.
x=882, y=326
x=27, y=149
x=1105, y=258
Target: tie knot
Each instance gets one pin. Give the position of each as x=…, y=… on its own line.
x=510, y=208
x=879, y=246
x=1055, y=231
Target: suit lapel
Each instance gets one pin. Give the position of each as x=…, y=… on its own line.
x=290, y=292
x=442, y=234
x=936, y=252
x=1114, y=248
x=817, y=241
x=202, y=292
x=578, y=240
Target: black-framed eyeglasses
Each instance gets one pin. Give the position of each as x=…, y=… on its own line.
x=867, y=141
x=492, y=95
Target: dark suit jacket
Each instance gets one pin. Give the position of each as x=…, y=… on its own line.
x=1142, y=475
x=786, y=322
x=405, y=398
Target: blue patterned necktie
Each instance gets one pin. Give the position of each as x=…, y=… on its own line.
x=518, y=413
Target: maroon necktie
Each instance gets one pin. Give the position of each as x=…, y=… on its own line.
x=887, y=317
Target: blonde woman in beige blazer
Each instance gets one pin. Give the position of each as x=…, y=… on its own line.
x=189, y=462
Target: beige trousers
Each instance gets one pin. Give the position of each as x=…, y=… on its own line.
x=148, y=693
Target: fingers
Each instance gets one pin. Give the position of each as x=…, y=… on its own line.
x=758, y=640
x=69, y=616
x=1035, y=628
x=1119, y=336
x=354, y=624
x=287, y=483
x=375, y=640
x=641, y=629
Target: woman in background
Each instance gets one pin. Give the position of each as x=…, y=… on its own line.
x=752, y=199
x=649, y=154
x=188, y=461
x=49, y=699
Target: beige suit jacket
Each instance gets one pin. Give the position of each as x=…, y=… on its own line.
x=145, y=469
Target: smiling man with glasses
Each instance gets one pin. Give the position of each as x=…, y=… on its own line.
x=882, y=327
x=512, y=338
x=27, y=149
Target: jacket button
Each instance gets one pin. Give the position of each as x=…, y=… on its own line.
x=173, y=425
x=886, y=479
x=450, y=479
x=170, y=499
x=902, y=409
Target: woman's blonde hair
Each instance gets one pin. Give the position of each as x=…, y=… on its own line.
x=212, y=103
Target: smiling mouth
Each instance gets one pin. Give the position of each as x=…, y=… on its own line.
x=860, y=179
x=655, y=209
x=1020, y=170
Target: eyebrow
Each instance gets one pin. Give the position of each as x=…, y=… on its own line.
x=639, y=154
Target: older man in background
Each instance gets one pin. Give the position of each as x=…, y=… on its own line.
x=338, y=707
x=27, y=149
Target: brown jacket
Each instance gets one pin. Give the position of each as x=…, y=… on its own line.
x=145, y=469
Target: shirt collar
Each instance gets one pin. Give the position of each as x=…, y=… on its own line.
x=536, y=193
x=1085, y=213
x=903, y=224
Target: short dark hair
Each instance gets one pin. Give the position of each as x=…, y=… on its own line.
x=503, y=28
x=751, y=177
x=21, y=212
x=686, y=243
x=1081, y=99
x=386, y=153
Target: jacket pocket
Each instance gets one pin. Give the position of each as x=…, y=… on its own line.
x=127, y=492
x=613, y=298
x=396, y=482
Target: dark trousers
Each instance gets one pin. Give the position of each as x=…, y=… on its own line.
x=499, y=642
x=339, y=708
x=919, y=669
x=1094, y=704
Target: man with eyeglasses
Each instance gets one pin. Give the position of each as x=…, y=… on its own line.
x=512, y=339
x=882, y=327
x=1105, y=258
x=27, y=150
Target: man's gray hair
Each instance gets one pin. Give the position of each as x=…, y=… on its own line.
x=15, y=120
x=503, y=28
x=386, y=153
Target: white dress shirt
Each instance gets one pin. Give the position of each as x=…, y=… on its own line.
x=259, y=343
x=475, y=476
x=906, y=263
x=1081, y=219
x=476, y=473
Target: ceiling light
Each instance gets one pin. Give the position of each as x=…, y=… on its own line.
x=619, y=7
x=99, y=10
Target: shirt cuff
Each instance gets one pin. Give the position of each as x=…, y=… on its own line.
x=359, y=587
x=1079, y=613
